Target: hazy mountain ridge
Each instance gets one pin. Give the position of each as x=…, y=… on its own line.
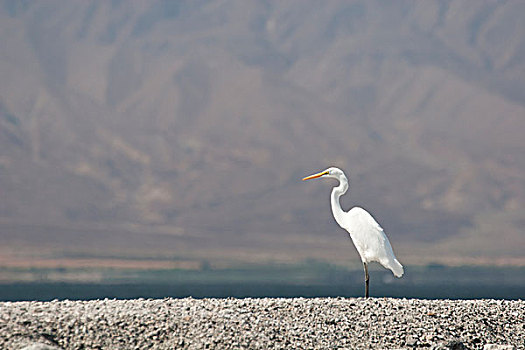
x=199, y=118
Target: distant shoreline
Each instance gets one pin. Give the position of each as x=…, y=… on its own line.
x=308, y=279
x=47, y=291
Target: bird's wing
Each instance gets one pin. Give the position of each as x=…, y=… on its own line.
x=370, y=239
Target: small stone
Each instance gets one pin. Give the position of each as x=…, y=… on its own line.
x=411, y=341
x=498, y=347
x=456, y=345
x=40, y=346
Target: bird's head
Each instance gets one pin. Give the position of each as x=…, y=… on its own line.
x=332, y=172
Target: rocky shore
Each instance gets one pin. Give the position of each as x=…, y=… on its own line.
x=266, y=323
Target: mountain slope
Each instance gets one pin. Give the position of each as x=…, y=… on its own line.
x=197, y=119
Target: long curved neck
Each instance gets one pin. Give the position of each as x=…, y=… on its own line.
x=337, y=192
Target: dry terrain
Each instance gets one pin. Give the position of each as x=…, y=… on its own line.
x=160, y=128
x=267, y=323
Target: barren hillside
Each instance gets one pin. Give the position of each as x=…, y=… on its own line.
x=184, y=127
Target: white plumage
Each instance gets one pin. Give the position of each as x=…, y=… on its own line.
x=369, y=238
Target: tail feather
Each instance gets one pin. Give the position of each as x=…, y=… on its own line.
x=396, y=268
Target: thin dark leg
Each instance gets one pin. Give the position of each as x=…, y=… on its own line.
x=367, y=279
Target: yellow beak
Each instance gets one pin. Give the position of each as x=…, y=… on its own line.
x=315, y=176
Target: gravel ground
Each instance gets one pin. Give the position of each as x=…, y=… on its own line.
x=267, y=323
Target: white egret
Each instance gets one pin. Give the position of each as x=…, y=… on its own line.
x=369, y=239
